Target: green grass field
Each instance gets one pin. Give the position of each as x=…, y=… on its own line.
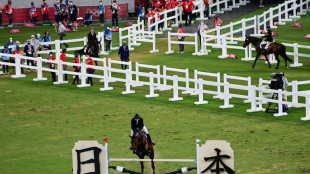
x=40, y=122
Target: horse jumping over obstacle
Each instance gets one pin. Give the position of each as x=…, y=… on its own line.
x=273, y=48
x=142, y=147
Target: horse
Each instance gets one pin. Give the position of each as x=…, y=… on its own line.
x=92, y=49
x=142, y=147
x=274, y=47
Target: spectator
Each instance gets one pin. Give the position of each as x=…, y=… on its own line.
x=201, y=28
x=33, y=13
x=52, y=66
x=115, y=8
x=57, y=14
x=5, y=59
x=141, y=12
x=101, y=9
x=63, y=58
x=13, y=48
x=157, y=5
x=88, y=20
x=150, y=16
x=1, y=8
x=168, y=6
x=217, y=21
x=188, y=6
x=90, y=70
x=29, y=50
x=36, y=44
x=20, y=52
x=285, y=85
x=206, y=11
x=64, y=12
x=76, y=68
x=150, y=5
x=61, y=33
x=181, y=38
x=45, y=10
x=47, y=38
x=161, y=25
x=74, y=12
x=108, y=38
x=123, y=52
x=261, y=3
x=11, y=45
x=38, y=37
x=9, y=11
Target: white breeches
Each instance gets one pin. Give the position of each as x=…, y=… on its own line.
x=144, y=130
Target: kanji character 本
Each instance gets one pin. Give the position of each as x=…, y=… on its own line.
x=218, y=160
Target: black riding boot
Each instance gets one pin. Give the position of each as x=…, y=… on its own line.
x=150, y=140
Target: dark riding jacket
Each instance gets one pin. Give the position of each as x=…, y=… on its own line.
x=269, y=36
x=92, y=39
x=135, y=125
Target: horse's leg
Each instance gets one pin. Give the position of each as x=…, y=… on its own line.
x=276, y=55
x=141, y=163
x=266, y=56
x=152, y=158
x=257, y=55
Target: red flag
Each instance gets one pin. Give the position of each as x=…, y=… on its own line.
x=105, y=139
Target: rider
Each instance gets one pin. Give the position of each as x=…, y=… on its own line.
x=267, y=40
x=137, y=123
x=92, y=38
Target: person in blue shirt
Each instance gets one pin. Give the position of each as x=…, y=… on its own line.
x=101, y=9
x=47, y=38
x=108, y=38
x=73, y=12
x=33, y=13
x=5, y=59
x=115, y=8
x=123, y=52
x=57, y=14
x=29, y=51
x=88, y=20
x=141, y=12
x=63, y=10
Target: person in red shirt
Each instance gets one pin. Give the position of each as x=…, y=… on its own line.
x=90, y=70
x=161, y=25
x=1, y=8
x=181, y=38
x=157, y=4
x=45, y=10
x=20, y=52
x=217, y=21
x=33, y=13
x=188, y=8
x=63, y=58
x=206, y=12
x=9, y=11
x=151, y=15
x=52, y=66
x=76, y=68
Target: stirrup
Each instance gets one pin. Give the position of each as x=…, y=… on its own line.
x=153, y=143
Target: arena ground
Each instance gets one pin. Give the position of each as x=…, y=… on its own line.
x=40, y=122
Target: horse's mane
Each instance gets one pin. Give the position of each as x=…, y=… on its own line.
x=255, y=39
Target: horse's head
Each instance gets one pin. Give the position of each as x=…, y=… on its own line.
x=136, y=140
x=246, y=41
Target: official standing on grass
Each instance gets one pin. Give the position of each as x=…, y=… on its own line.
x=9, y=11
x=76, y=68
x=45, y=10
x=63, y=58
x=74, y=13
x=108, y=38
x=33, y=13
x=90, y=70
x=115, y=8
x=47, y=38
x=101, y=10
x=20, y=52
x=5, y=59
x=217, y=21
x=29, y=50
x=201, y=28
x=181, y=38
x=57, y=14
x=52, y=66
x=123, y=52
x=62, y=34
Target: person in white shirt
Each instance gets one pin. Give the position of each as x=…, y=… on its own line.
x=61, y=33
x=201, y=28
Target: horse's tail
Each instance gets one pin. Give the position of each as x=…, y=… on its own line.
x=283, y=53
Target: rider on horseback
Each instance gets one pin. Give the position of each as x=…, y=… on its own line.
x=92, y=38
x=137, y=123
x=267, y=40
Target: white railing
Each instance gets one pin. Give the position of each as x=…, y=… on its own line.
x=106, y=75
x=195, y=42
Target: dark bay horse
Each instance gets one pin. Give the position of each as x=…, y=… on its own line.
x=92, y=49
x=273, y=48
x=141, y=147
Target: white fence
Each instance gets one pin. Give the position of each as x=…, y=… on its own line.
x=178, y=83
x=195, y=42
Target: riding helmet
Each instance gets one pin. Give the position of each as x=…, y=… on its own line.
x=137, y=116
